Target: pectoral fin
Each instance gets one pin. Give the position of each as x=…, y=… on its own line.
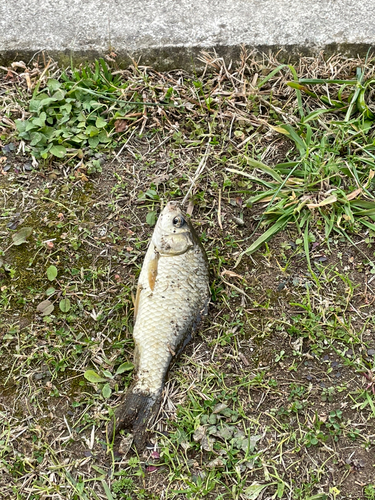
x=153, y=270
x=136, y=302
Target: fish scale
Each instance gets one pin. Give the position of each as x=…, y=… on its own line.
x=172, y=295
x=165, y=316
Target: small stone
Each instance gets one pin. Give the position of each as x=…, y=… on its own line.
x=199, y=433
x=7, y=167
x=219, y=407
x=217, y=462
x=8, y=148
x=238, y=221
x=27, y=167
x=125, y=444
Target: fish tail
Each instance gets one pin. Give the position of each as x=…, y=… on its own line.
x=135, y=414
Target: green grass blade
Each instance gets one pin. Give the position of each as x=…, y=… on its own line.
x=299, y=97
x=265, y=168
x=293, y=134
x=315, y=114
x=275, y=228
x=307, y=251
x=270, y=75
x=313, y=81
x=258, y=197
x=249, y=176
x=107, y=490
x=352, y=103
x=367, y=224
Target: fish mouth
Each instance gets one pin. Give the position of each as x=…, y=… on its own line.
x=173, y=206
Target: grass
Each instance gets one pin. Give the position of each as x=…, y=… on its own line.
x=274, y=398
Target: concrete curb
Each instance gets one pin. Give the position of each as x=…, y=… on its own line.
x=170, y=34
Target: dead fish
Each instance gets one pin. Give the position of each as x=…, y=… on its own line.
x=172, y=295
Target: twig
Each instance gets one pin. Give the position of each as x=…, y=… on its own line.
x=200, y=169
x=219, y=211
x=122, y=148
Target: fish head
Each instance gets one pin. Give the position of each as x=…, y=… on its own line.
x=173, y=232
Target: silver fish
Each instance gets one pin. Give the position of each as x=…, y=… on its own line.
x=172, y=295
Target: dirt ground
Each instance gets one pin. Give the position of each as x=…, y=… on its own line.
x=274, y=396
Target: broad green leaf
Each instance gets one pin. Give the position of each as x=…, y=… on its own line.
x=21, y=236
x=50, y=291
x=100, y=122
x=253, y=491
x=92, y=131
x=20, y=125
x=44, y=153
x=93, y=142
x=58, y=95
x=66, y=107
x=53, y=84
x=151, y=218
x=58, y=151
x=124, y=367
x=35, y=105
x=106, y=391
x=50, y=132
x=51, y=272
x=93, y=377
x=36, y=138
x=47, y=102
x=39, y=121
x=30, y=126
x=64, y=305
x=103, y=137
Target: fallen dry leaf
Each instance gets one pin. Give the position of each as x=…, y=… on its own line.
x=327, y=201
x=231, y=274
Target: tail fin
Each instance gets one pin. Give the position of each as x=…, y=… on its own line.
x=135, y=413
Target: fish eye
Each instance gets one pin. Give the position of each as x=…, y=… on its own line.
x=178, y=221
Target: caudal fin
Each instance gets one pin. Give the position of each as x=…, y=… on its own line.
x=135, y=414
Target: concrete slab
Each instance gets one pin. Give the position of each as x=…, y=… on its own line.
x=170, y=33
